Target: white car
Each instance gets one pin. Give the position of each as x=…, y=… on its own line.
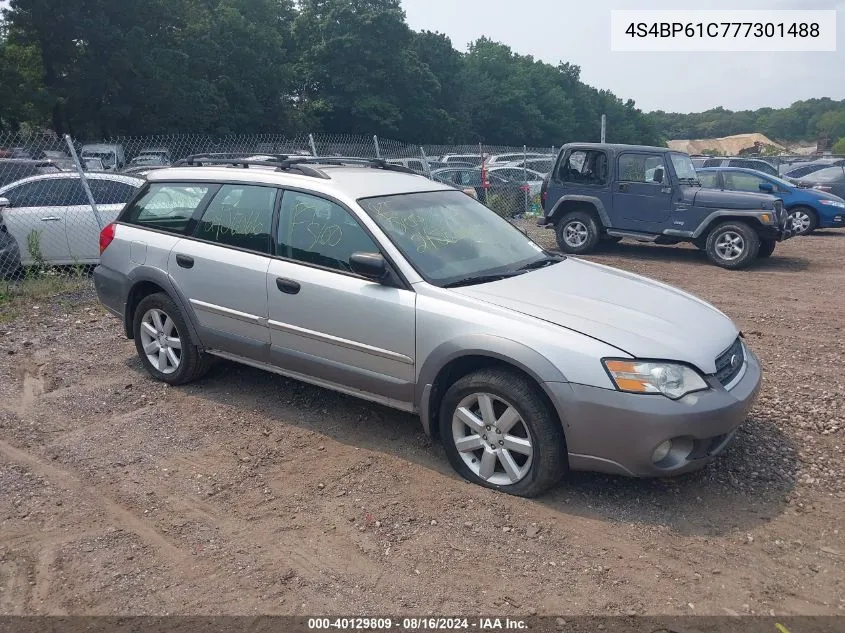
x=51, y=220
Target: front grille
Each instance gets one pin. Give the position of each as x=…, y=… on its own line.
x=729, y=363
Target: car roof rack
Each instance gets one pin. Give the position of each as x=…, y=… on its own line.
x=305, y=165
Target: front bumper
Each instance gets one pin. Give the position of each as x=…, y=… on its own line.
x=615, y=432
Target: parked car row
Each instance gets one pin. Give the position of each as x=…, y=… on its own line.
x=810, y=203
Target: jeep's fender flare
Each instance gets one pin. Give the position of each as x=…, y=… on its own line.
x=165, y=282
x=727, y=213
x=511, y=352
x=592, y=200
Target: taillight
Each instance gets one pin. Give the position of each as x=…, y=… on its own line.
x=545, y=195
x=525, y=188
x=106, y=236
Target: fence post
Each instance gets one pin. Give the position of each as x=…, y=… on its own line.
x=84, y=181
x=425, y=162
x=313, y=146
x=525, y=175
x=375, y=142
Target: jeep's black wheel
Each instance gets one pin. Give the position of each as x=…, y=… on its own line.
x=733, y=245
x=577, y=233
x=804, y=220
x=767, y=247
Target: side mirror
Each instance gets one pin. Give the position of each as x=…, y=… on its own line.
x=767, y=187
x=5, y=202
x=658, y=176
x=369, y=265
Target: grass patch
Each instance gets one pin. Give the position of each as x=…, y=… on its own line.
x=39, y=285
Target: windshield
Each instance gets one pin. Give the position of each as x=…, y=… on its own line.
x=829, y=174
x=684, y=168
x=108, y=158
x=448, y=236
x=780, y=182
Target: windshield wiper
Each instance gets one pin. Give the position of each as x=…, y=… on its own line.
x=548, y=260
x=483, y=279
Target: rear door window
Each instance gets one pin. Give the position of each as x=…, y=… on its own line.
x=169, y=206
x=240, y=216
x=111, y=191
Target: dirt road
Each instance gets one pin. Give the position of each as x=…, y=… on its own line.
x=247, y=493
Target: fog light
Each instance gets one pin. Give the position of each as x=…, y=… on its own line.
x=661, y=452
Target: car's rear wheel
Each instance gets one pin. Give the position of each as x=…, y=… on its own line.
x=577, y=233
x=767, y=247
x=500, y=433
x=804, y=220
x=733, y=245
x=164, y=342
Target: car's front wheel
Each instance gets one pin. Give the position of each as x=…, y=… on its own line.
x=164, y=342
x=577, y=233
x=804, y=220
x=500, y=433
x=733, y=245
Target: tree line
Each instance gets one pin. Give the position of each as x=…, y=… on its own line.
x=100, y=68
x=802, y=121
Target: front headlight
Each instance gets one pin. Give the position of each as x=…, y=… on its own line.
x=833, y=203
x=670, y=379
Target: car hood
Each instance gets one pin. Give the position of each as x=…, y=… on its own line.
x=817, y=194
x=642, y=317
x=719, y=199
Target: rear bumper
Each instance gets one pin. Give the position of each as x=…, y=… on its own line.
x=10, y=255
x=614, y=432
x=112, y=290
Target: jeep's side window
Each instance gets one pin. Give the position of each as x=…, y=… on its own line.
x=584, y=167
x=648, y=168
x=167, y=206
x=241, y=216
x=318, y=231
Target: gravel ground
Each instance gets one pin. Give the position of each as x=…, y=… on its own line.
x=247, y=493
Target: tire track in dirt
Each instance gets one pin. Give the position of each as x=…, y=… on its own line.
x=119, y=514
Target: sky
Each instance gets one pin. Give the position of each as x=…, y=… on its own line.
x=578, y=31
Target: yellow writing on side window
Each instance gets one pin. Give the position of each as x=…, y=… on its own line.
x=235, y=222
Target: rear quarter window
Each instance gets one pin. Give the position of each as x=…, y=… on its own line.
x=169, y=206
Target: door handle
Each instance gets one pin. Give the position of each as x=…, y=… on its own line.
x=51, y=218
x=288, y=286
x=623, y=187
x=184, y=261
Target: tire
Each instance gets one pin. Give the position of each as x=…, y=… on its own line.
x=191, y=363
x=804, y=220
x=537, y=430
x=733, y=245
x=577, y=233
x=767, y=247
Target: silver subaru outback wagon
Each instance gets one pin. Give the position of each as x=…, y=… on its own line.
x=363, y=278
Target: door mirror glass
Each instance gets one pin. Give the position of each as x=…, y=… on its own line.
x=369, y=265
x=767, y=187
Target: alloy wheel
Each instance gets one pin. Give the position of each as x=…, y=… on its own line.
x=575, y=234
x=160, y=340
x=492, y=439
x=730, y=245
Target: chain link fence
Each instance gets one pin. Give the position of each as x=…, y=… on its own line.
x=56, y=193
